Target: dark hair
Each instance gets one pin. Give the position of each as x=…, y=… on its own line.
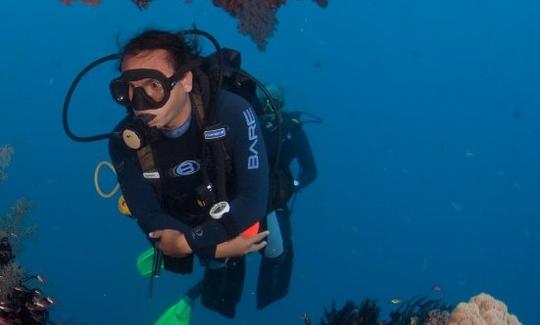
x=181, y=51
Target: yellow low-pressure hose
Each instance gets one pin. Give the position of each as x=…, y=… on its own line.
x=121, y=203
x=96, y=180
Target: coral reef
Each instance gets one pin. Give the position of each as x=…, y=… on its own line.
x=20, y=301
x=11, y=274
x=5, y=159
x=12, y=223
x=87, y=2
x=482, y=309
x=418, y=311
x=438, y=317
x=367, y=313
x=256, y=18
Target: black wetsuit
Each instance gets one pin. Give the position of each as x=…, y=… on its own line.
x=179, y=160
x=296, y=146
x=275, y=271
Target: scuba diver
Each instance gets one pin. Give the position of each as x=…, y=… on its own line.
x=191, y=161
x=277, y=262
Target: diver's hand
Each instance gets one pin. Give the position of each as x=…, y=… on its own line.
x=241, y=245
x=171, y=242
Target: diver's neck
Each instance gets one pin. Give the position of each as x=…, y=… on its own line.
x=182, y=118
x=179, y=126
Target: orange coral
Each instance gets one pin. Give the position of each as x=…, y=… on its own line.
x=482, y=309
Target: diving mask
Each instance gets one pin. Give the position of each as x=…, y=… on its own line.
x=144, y=89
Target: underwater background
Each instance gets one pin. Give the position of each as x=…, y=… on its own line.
x=428, y=157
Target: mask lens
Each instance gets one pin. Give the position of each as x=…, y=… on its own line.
x=153, y=88
x=141, y=89
x=120, y=91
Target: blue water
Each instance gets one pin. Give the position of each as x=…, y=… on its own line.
x=428, y=156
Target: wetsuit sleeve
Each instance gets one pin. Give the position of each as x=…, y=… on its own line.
x=306, y=160
x=144, y=204
x=250, y=170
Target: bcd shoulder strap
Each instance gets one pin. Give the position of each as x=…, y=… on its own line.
x=214, y=151
x=148, y=166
